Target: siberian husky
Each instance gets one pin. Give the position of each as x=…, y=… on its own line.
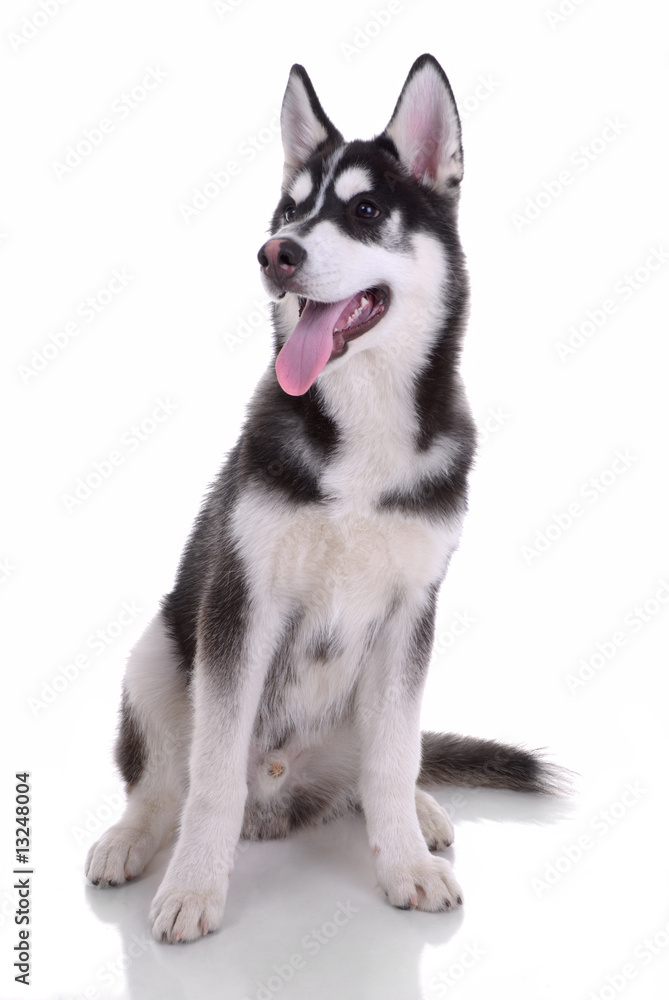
x=280, y=684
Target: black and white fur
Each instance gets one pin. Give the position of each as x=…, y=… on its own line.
x=280, y=685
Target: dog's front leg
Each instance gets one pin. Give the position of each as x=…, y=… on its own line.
x=226, y=691
x=388, y=719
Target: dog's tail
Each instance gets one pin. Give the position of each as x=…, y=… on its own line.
x=449, y=759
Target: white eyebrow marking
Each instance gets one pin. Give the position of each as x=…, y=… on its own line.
x=352, y=181
x=301, y=187
x=320, y=197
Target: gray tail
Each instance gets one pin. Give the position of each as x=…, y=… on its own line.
x=449, y=759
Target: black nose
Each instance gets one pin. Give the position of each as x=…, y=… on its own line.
x=281, y=257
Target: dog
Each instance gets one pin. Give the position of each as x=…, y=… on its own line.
x=280, y=683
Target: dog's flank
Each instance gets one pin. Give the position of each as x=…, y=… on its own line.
x=280, y=684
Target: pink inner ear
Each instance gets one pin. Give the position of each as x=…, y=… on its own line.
x=425, y=163
x=426, y=127
x=427, y=138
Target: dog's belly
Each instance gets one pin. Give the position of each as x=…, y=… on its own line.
x=337, y=575
x=310, y=683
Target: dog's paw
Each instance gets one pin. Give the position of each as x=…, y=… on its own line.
x=422, y=883
x=180, y=915
x=435, y=825
x=120, y=854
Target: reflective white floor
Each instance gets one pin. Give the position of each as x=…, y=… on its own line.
x=559, y=895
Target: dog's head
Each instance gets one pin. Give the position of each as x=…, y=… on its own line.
x=364, y=236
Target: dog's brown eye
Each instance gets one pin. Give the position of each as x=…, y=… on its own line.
x=367, y=210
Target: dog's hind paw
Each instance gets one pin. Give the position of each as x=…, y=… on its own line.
x=435, y=825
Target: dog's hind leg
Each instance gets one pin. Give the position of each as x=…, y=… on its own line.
x=152, y=754
x=435, y=825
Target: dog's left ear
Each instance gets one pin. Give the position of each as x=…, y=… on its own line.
x=425, y=126
x=304, y=124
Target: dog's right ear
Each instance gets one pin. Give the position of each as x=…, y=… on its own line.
x=304, y=124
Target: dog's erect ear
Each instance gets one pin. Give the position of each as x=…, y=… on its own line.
x=425, y=126
x=304, y=124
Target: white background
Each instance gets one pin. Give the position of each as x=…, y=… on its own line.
x=538, y=95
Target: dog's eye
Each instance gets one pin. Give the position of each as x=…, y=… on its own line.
x=366, y=209
x=289, y=213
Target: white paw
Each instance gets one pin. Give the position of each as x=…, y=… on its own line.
x=435, y=825
x=121, y=853
x=421, y=883
x=179, y=915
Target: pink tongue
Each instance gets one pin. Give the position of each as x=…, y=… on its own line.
x=308, y=349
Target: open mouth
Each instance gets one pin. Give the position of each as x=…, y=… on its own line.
x=360, y=314
x=323, y=332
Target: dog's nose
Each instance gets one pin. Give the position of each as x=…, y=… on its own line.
x=281, y=258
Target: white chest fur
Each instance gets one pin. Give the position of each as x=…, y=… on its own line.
x=329, y=558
